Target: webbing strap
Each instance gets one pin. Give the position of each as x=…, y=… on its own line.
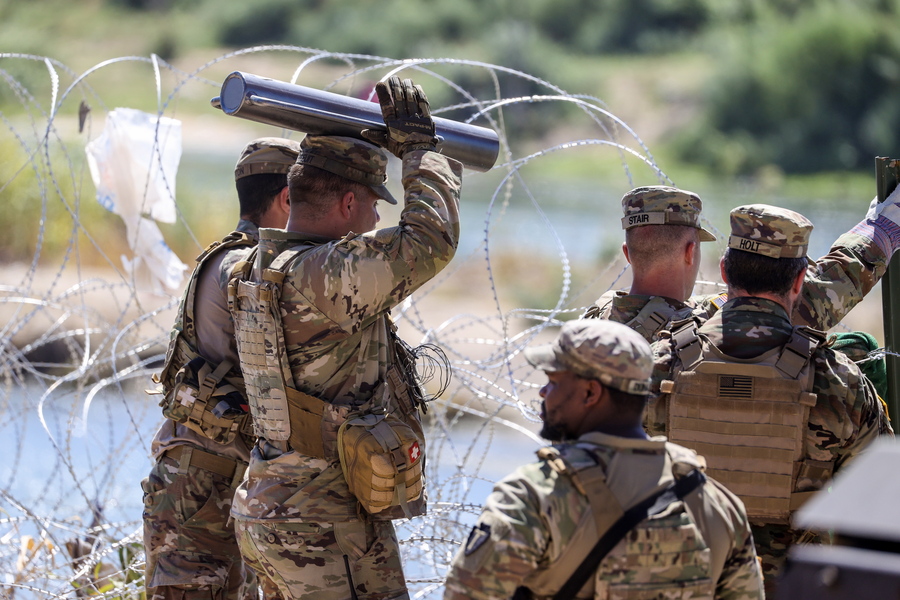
x=687, y=345
x=796, y=353
x=604, y=505
x=651, y=318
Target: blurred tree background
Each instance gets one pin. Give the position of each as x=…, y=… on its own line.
x=741, y=87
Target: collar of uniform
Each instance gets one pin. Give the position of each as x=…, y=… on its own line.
x=282, y=235
x=753, y=304
x=638, y=301
x=248, y=227
x=615, y=441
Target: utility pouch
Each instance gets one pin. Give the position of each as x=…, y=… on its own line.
x=204, y=402
x=383, y=460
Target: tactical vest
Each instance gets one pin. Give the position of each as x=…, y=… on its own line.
x=627, y=572
x=387, y=469
x=206, y=398
x=748, y=418
x=649, y=321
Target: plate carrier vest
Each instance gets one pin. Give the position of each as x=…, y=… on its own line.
x=748, y=418
x=189, y=383
x=657, y=531
x=383, y=454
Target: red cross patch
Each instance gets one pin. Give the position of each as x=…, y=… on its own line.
x=414, y=452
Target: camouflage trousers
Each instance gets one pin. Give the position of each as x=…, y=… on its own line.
x=772, y=545
x=191, y=550
x=359, y=560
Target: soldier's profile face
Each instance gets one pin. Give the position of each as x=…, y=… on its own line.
x=560, y=408
x=366, y=216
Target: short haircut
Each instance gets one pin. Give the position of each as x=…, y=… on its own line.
x=256, y=193
x=633, y=404
x=755, y=273
x=649, y=245
x=315, y=190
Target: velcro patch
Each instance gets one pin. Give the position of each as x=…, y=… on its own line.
x=477, y=537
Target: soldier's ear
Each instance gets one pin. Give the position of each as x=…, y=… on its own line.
x=722, y=270
x=625, y=252
x=593, y=392
x=347, y=204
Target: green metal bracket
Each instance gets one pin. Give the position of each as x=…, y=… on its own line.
x=887, y=176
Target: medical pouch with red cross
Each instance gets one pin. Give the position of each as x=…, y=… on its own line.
x=383, y=460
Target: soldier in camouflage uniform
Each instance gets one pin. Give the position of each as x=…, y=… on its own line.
x=541, y=521
x=296, y=518
x=833, y=418
x=662, y=235
x=188, y=538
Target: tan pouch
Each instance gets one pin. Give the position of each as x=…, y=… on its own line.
x=383, y=460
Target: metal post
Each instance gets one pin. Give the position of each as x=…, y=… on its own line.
x=887, y=175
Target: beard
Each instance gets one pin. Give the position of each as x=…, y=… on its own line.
x=551, y=433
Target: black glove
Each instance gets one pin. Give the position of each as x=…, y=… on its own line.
x=404, y=107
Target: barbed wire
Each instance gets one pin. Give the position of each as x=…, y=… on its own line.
x=82, y=333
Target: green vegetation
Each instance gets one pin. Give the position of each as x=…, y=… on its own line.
x=801, y=85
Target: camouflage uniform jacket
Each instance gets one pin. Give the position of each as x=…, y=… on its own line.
x=847, y=416
x=215, y=342
x=834, y=284
x=534, y=514
x=335, y=301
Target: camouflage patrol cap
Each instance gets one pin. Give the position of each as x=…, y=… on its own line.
x=350, y=158
x=267, y=155
x=663, y=205
x=769, y=230
x=610, y=352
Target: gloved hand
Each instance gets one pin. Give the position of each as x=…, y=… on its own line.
x=882, y=223
x=407, y=115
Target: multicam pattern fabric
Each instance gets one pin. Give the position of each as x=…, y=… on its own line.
x=267, y=155
x=191, y=549
x=172, y=494
x=372, y=570
x=663, y=205
x=335, y=302
x=538, y=519
x=350, y=158
x=769, y=230
x=604, y=350
x=834, y=284
x=846, y=418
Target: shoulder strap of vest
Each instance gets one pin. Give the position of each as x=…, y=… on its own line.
x=798, y=351
x=591, y=482
x=652, y=317
x=686, y=343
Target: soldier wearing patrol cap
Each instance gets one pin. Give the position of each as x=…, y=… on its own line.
x=662, y=243
x=772, y=408
x=543, y=520
x=203, y=446
x=312, y=316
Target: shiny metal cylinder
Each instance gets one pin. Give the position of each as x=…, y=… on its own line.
x=317, y=112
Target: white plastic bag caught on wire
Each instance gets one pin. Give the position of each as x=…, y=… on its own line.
x=133, y=164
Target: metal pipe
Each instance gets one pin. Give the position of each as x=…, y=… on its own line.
x=887, y=176
x=317, y=112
